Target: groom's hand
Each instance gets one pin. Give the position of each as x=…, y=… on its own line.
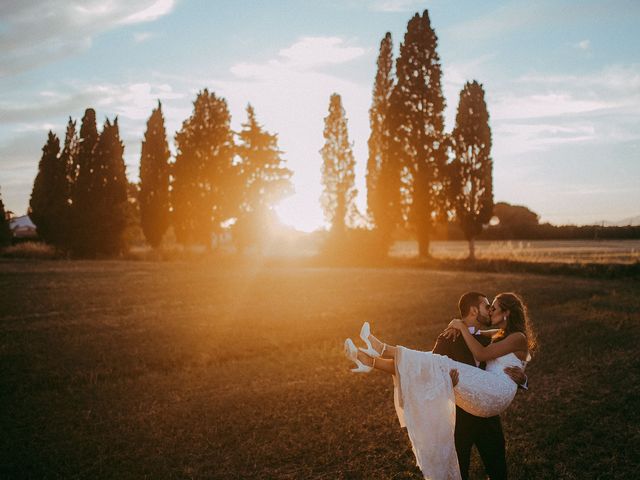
x=453, y=373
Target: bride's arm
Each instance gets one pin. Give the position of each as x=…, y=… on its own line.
x=513, y=343
x=489, y=333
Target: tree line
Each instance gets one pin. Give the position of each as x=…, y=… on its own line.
x=418, y=175
x=520, y=223
x=80, y=204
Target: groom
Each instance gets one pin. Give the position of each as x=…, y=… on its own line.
x=485, y=433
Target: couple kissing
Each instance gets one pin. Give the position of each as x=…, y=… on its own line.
x=450, y=399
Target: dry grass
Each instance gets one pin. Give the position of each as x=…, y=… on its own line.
x=191, y=370
x=542, y=251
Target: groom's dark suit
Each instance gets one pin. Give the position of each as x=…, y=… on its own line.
x=485, y=433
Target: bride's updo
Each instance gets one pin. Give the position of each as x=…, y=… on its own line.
x=518, y=320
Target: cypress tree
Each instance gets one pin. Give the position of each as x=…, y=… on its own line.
x=82, y=195
x=472, y=166
x=153, y=197
x=263, y=181
x=383, y=171
x=338, y=177
x=418, y=126
x=5, y=231
x=49, y=193
x=68, y=159
x=203, y=175
x=108, y=187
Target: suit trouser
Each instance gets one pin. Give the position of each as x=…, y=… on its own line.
x=486, y=434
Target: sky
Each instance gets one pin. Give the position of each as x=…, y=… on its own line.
x=562, y=83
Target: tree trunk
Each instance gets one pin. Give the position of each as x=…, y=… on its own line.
x=423, y=245
x=472, y=249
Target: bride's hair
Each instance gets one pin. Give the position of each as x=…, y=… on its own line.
x=518, y=320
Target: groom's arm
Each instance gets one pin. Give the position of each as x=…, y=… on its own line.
x=443, y=346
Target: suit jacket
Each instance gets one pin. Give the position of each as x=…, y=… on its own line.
x=457, y=349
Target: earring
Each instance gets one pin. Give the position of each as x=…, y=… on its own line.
x=504, y=319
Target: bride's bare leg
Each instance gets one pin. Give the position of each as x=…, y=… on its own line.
x=387, y=352
x=385, y=364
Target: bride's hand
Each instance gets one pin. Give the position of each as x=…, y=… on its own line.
x=451, y=333
x=457, y=324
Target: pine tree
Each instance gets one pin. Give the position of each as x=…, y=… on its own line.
x=472, y=166
x=49, y=194
x=263, y=181
x=383, y=171
x=5, y=231
x=50, y=207
x=154, y=179
x=203, y=176
x=108, y=187
x=418, y=126
x=82, y=196
x=338, y=177
x=68, y=159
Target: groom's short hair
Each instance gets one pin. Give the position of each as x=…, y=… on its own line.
x=468, y=300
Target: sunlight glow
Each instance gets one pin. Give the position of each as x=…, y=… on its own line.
x=301, y=212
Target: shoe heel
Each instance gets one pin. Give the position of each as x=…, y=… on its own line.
x=365, y=331
x=362, y=368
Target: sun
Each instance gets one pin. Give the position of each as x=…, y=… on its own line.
x=300, y=211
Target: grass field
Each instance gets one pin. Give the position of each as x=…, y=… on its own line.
x=562, y=251
x=188, y=370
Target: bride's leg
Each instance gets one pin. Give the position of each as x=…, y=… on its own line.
x=388, y=351
x=385, y=364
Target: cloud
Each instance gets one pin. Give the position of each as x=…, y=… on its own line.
x=537, y=113
x=511, y=107
x=306, y=54
x=515, y=139
x=396, y=5
x=582, y=45
x=611, y=81
x=130, y=100
x=158, y=9
x=384, y=6
x=546, y=14
x=140, y=37
x=318, y=51
x=34, y=33
x=500, y=21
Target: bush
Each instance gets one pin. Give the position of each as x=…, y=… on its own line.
x=31, y=250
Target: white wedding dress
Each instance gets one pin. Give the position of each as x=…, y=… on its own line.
x=425, y=403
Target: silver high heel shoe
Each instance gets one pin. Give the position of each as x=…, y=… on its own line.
x=351, y=352
x=365, y=331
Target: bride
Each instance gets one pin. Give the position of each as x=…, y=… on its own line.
x=423, y=392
